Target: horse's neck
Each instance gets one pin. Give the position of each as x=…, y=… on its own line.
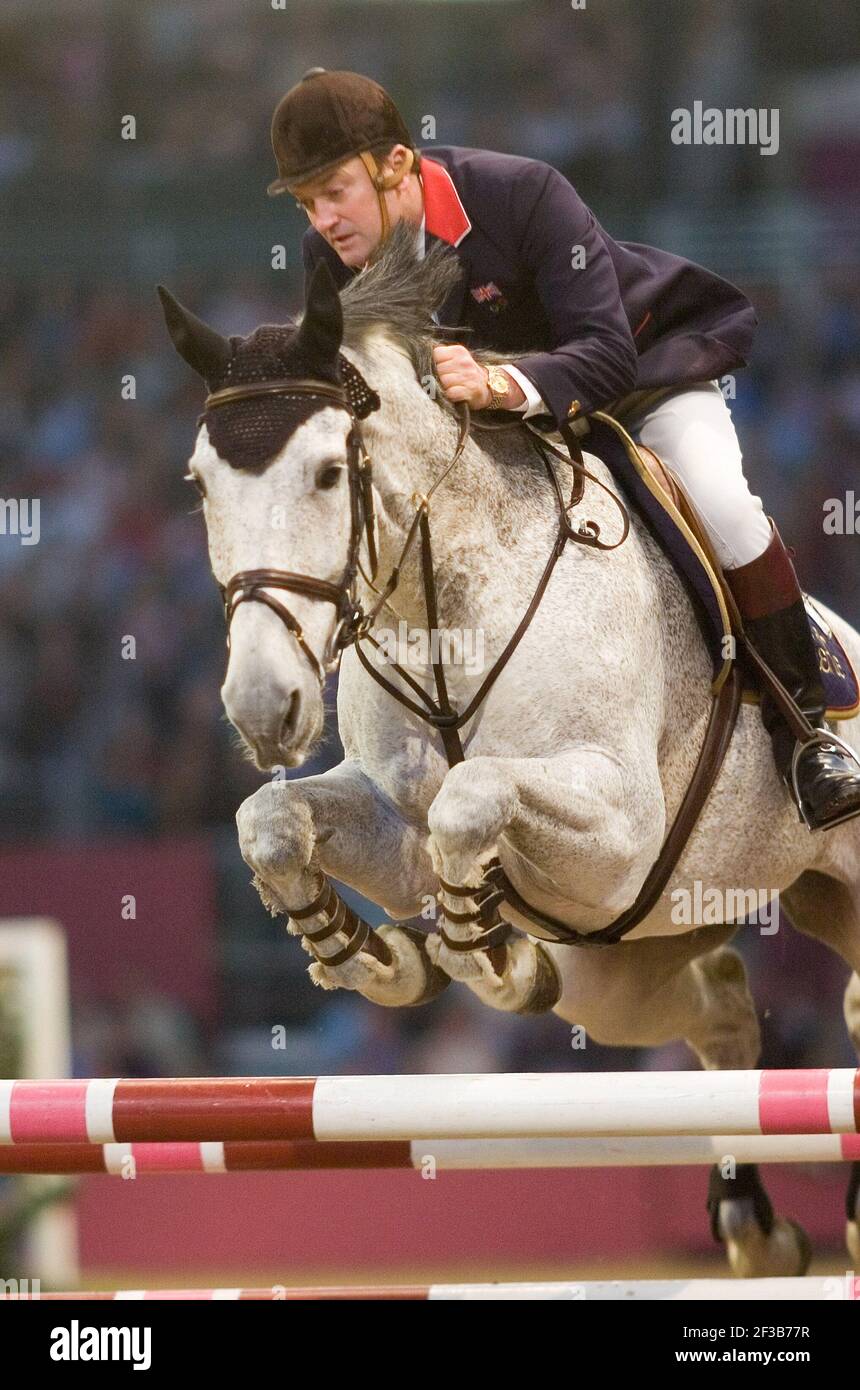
x=466, y=514
x=493, y=523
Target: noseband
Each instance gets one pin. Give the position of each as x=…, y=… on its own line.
x=249, y=586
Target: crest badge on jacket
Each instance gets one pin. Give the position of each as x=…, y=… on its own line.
x=489, y=295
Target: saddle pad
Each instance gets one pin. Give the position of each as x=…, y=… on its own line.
x=662, y=515
x=841, y=686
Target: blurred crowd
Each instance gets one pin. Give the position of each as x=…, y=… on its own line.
x=97, y=739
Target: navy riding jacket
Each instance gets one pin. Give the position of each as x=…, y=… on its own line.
x=596, y=318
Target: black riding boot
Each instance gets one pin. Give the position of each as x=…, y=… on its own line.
x=775, y=621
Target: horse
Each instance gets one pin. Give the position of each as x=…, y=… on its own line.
x=575, y=762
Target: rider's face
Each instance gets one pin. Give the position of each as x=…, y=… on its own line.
x=343, y=207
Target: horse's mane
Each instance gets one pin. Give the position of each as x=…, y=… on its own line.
x=398, y=293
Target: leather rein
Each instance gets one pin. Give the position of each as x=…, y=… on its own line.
x=354, y=625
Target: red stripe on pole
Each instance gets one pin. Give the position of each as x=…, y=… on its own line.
x=51, y=1158
x=179, y=1295
x=305, y=1154
x=850, y=1147
x=223, y=1108
x=794, y=1102
x=48, y=1110
x=857, y=1100
x=164, y=1158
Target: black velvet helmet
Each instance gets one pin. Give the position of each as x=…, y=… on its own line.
x=327, y=118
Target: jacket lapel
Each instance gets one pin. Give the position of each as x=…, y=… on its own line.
x=445, y=220
x=450, y=312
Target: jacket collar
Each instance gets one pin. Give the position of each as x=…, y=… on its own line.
x=445, y=215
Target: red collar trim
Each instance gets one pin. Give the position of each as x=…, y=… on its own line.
x=444, y=214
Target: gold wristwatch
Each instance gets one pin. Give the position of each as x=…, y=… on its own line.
x=499, y=386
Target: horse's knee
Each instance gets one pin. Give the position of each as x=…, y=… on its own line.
x=474, y=804
x=276, y=831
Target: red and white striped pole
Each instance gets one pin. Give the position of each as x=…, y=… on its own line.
x=362, y=1108
x=303, y=1155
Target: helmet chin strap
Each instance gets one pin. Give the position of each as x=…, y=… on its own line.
x=381, y=182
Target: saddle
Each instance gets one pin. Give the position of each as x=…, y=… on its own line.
x=673, y=520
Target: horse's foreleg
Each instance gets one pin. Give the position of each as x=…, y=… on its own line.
x=564, y=832
x=296, y=834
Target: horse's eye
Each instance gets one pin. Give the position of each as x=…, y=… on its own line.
x=329, y=475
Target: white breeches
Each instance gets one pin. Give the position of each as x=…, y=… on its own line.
x=693, y=433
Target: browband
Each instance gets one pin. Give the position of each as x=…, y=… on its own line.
x=286, y=386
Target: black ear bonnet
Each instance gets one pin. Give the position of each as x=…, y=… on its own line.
x=247, y=433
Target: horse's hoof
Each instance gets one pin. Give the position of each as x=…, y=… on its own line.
x=392, y=969
x=785, y=1253
x=546, y=990
x=435, y=979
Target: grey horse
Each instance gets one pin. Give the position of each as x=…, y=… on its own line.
x=575, y=763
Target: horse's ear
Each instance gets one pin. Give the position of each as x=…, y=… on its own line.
x=203, y=349
x=321, y=331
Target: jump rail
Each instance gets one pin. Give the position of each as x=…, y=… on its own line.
x=834, y=1288
x=370, y=1108
x=138, y=1160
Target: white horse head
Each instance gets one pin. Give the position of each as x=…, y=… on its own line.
x=274, y=475
x=272, y=472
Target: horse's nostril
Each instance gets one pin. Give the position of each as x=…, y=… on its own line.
x=288, y=724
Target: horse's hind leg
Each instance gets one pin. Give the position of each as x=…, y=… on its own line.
x=828, y=908
x=758, y=1243
x=655, y=990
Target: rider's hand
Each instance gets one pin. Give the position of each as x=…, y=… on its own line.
x=464, y=379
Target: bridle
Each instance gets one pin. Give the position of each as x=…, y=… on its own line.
x=249, y=586
x=353, y=623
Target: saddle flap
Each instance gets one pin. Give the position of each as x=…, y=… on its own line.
x=838, y=677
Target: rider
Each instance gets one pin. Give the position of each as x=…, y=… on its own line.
x=603, y=320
